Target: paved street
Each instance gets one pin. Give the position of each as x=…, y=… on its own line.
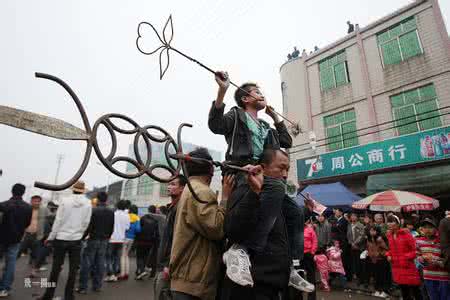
x=129, y=290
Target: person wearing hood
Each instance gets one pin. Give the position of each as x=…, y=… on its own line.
x=71, y=221
x=130, y=234
x=115, y=246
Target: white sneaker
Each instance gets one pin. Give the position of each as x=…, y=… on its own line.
x=238, y=265
x=376, y=294
x=113, y=278
x=142, y=275
x=4, y=294
x=383, y=295
x=297, y=281
x=42, y=269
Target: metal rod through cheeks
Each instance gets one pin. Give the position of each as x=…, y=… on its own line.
x=214, y=163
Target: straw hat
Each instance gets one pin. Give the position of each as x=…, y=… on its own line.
x=79, y=187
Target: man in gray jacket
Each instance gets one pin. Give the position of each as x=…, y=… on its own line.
x=356, y=242
x=323, y=232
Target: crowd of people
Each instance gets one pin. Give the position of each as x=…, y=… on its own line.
x=255, y=243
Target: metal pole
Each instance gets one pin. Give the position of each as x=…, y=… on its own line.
x=107, y=185
x=60, y=158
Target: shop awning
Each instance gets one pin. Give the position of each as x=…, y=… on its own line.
x=433, y=181
x=330, y=195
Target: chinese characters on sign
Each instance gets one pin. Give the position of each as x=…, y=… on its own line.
x=400, y=151
x=373, y=156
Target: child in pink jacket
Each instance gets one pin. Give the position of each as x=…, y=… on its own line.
x=321, y=261
x=334, y=255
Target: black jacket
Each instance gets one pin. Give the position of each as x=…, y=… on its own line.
x=339, y=231
x=167, y=237
x=233, y=126
x=101, y=225
x=262, y=231
x=16, y=218
x=295, y=217
x=149, y=234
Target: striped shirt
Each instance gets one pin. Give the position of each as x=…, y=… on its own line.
x=435, y=269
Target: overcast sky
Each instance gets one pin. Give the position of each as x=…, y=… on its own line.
x=91, y=45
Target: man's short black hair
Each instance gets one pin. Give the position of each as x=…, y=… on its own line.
x=133, y=209
x=127, y=204
x=196, y=168
x=36, y=197
x=102, y=197
x=122, y=204
x=269, y=155
x=152, y=209
x=18, y=190
x=181, y=180
x=240, y=92
x=338, y=209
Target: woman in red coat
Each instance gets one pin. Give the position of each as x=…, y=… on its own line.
x=401, y=255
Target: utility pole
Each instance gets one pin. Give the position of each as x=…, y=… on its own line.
x=60, y=158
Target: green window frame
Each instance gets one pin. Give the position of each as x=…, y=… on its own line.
x=413, y=107
x=145, y=185
x=399, y=42
x=340, y=130
x=333, y=71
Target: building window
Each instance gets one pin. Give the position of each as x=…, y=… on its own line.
x=128, y=189
x=145, y=185
x=333, y=71
x=399, y=42
x=413, y=107
x=163, y=190
x=340, y=130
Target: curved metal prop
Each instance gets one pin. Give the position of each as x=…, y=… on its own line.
x=164, y=45
x=59, y=129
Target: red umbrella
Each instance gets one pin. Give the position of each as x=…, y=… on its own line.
x=397, y=201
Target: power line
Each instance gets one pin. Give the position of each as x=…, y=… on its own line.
x=372, y=132
x=376, y=125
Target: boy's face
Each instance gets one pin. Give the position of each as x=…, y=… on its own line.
x=256, y=99
x=336, y=244
x=378, y=219
x=428, y=230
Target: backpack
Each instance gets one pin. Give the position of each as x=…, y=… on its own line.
x=149, y=229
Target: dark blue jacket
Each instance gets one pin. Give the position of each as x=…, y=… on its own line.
x=16, y=218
